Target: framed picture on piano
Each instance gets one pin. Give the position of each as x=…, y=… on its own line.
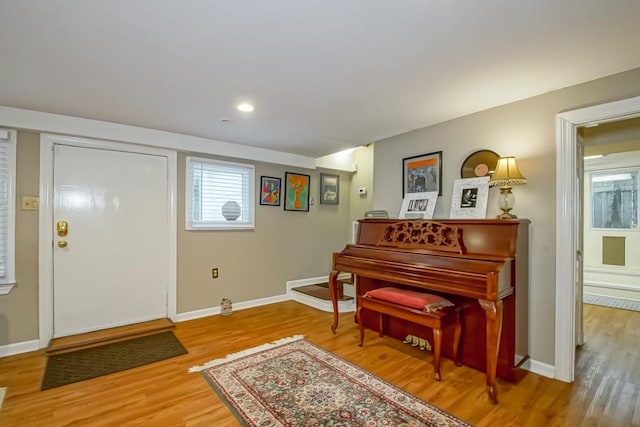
x=419, y=205
x=469, y=198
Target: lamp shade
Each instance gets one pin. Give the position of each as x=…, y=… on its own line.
x=507, y=173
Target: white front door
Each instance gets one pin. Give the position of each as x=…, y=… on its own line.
x=112, y=267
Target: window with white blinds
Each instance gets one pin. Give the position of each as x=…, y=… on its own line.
x=219, y=195
x=7, y=206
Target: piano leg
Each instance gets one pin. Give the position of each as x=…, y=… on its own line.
x=333, y=289
x=493, y=314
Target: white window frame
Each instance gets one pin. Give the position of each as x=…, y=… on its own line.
x=246, y=221
x=614, y=171
x=8, y=244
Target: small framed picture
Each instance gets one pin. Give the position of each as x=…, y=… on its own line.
x=419, y=205
x=422, y=173
x=469, y=198
x=296, y=191
x=329, y=189
x=270, y=190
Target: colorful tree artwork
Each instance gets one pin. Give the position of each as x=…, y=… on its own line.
x=296, y=197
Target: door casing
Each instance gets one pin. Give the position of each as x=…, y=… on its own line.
x=46, y=235
x=567, y=226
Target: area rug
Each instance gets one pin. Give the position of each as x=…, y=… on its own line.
x=292, y=382
x=94, y=362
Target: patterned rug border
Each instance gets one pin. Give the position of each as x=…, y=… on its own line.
x=422, y=412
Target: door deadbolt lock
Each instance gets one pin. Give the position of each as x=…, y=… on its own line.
x=62, y=227
x=62, y=243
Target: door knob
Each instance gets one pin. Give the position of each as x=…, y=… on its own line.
x=62, y=227
x=62, y=243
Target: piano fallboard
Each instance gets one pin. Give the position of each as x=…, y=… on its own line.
x=474, y=278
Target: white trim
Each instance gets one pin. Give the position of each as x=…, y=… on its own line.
x=5, y=288
x=56, y=123
x=312, y=281
x=609, y=285
x=539, y=368
x=323, y=305
x=212, y=311
x=9, y=279
x=47, y=142
x=566, y=191
x=613, y=271
x=18, y=348
x=317, y=303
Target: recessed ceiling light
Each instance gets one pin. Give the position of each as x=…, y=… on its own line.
x=245, y=107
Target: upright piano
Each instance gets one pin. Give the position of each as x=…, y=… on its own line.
x=480, y=264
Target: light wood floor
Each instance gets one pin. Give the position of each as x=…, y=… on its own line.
x=606, y=392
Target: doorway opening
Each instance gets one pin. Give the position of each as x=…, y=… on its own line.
x=567, y=226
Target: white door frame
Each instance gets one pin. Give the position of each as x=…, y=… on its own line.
x=566, y=224
x=47, y=142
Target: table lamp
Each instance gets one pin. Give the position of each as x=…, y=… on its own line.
x=506, y=175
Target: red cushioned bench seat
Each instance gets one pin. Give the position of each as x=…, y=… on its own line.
x=422, y=308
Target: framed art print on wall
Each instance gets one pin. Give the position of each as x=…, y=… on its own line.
x=329, y=189
x=270, y=190
x=469, y=198
x=422, y=173
x=296, y=191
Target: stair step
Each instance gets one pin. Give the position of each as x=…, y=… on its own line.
x=320, y=290
x=107, y=336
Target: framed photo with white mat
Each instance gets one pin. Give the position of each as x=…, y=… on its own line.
x=419, y=205
x=469, y=198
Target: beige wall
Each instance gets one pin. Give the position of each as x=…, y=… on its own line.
x=525, y=129
x=363, y=178
x=253, y=264
x=284, y=246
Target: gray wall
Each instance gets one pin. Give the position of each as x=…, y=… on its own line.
x=526, y=130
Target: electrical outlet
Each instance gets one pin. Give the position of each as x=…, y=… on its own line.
x=214, y=273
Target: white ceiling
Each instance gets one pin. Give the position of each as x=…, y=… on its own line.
x=324, y=75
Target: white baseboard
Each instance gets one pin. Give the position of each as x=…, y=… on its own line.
x=539, y=368
x=20, y=347
x=212, y=311
x=343, y=306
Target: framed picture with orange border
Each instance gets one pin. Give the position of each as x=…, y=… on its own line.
x=422, y=173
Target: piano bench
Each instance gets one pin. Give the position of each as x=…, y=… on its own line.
x=436, y=320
